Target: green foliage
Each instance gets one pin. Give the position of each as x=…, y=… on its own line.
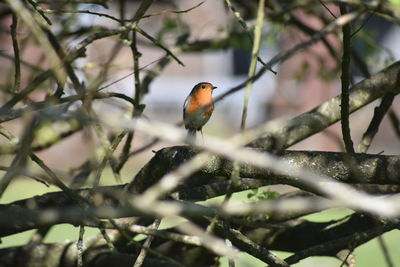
x=170, y=27
x=302, y=71
x=272, y=34
x=258, y=194
x=395, y=2
x=240, y=41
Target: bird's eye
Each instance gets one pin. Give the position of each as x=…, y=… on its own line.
x=203, y=86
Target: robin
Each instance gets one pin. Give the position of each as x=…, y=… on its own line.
x=198, y=107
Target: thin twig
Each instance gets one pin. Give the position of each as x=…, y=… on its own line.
x=159, y=44
x=376, y=120
x=346, y=259
x=142, y=255
x=71, y=11
x=395, y=122
x=362, y=25
x=241, y=21
x=129, y=74
x=345, y=79
x=109, y=150
x=253, y=64
x=39, y=10
x=33, y=23
x=283, y=56
x=20, y=160
x=256, y=250
x=39, y=235
x=385, y=251
x=137, y=107
x=173, y=11
x=79, y=247
x=17, y=62
x=327, y=9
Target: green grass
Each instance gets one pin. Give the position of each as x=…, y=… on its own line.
x=25, y=188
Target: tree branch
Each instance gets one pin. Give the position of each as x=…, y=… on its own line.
x=373, y=169
x=282, y=134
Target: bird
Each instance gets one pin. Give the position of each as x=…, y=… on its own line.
x=197, y=108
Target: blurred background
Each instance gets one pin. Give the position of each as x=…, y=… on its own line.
x=300, y=83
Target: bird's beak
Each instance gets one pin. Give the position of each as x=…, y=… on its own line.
x=214, y=87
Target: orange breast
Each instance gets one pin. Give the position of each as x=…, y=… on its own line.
x=200, y=99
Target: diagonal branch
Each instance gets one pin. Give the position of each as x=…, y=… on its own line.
x=280, y=134
x=345, y=80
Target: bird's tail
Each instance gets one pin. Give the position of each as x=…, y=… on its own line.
x=191, y=135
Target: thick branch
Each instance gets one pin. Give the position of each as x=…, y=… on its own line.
x=49, y=202
x=296, y=237
x=372, y=169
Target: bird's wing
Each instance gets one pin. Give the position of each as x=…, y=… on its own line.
x=185, y=104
